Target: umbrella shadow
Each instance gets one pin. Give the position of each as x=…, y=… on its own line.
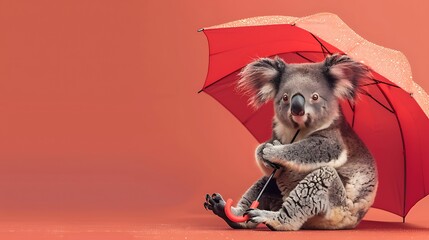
x=369, y=225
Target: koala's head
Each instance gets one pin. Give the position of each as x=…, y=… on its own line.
x=304, y=95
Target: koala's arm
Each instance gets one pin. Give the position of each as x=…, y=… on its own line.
x=308, y=154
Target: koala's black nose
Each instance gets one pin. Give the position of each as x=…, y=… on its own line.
x=297, y=105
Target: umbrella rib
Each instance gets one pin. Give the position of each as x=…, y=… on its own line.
x=352, y=107
x=213, y=83
x=386, y=83
x=376, y=81
x=321, y=44
x=369, y=84
x=304, y=57
x=403, y=150
x=373, y=98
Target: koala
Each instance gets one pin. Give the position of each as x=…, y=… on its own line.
x=327, y=178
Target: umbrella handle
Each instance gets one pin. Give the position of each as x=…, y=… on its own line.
x=234, y=218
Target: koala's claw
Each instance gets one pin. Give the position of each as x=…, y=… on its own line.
x=207, y=205
x=246, y=213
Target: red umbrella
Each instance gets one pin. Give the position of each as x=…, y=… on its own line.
x=391, y=114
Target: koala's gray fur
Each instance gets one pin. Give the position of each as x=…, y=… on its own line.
x=328, y=178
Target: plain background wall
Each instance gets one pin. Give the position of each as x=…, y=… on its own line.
x=99, y=111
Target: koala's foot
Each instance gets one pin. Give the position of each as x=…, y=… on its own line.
x=216, y=204
x=269, y=218
x=259, y=216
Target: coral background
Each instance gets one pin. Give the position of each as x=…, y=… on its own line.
x=100, y=116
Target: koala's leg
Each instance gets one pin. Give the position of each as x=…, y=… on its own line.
x=270, y=200
x=317, y=193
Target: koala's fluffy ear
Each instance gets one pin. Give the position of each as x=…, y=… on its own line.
x=260, y=79
x=344, y=75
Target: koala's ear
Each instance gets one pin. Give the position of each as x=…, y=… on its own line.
x=261, y=79
x=344, y=75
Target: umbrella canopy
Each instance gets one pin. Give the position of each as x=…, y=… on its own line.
x=390, y=115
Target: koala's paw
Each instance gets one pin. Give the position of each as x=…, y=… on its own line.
x=216, y=204
x=271, y=152
x=260, y=153
x=259, y=216
x=268, y=218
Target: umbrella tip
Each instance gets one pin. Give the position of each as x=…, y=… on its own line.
x=200, y=30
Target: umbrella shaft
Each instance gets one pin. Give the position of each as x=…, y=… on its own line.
x=266, y=184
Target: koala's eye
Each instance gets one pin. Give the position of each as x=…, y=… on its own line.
x=285, y=97
x=315, y=97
